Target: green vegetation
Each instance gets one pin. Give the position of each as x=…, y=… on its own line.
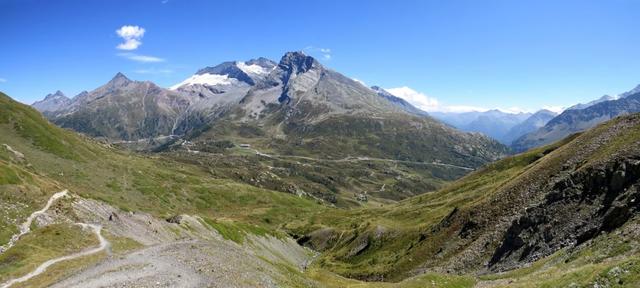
x=437, y=227
x=46, y=243
x=236, y=231
x=427, y=280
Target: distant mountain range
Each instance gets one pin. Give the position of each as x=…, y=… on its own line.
x=494, y=123
x=286, y=102
x=295, y=106
x=533, y=123
x=577, y=120
x=523, y=131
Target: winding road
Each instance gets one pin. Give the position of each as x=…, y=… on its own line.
x=355, y=159
x=26, y=227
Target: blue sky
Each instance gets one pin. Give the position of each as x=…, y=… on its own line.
x=526, y=54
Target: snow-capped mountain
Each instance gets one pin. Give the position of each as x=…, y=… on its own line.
x=230, y=73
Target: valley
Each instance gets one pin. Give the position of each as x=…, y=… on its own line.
x=301, y=177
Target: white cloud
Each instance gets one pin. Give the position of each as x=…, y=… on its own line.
x=141, y=58
x=431, y=104
x=416, y=98
x=130, y=44
x=132, y=36
x=2, y=80
x=324, y=52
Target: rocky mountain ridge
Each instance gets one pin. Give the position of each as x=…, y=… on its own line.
x=576, y=120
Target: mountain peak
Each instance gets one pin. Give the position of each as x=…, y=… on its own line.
x=52, y=102
x=119, y=79
x=57, y=94
x=262, y=62
x=297, y=62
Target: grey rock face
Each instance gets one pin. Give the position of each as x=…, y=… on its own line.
x=579, y=207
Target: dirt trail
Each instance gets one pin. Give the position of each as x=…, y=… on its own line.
x=97, y=230
x=26, y=226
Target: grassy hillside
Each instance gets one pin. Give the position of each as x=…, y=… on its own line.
x=504, y=216
x=38, y=159
x=388, y=158
x=52, y=159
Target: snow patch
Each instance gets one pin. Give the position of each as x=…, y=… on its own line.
x=252, y=69
x=204, y=79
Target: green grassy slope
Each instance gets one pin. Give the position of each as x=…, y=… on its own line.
x=467, y=225
x=56, y=159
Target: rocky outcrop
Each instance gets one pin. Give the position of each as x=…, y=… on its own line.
x=580, y=206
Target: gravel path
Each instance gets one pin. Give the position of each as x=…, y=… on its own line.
x=179, y=264
x=155, y=266
x=26, y=226
x=43, y=267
